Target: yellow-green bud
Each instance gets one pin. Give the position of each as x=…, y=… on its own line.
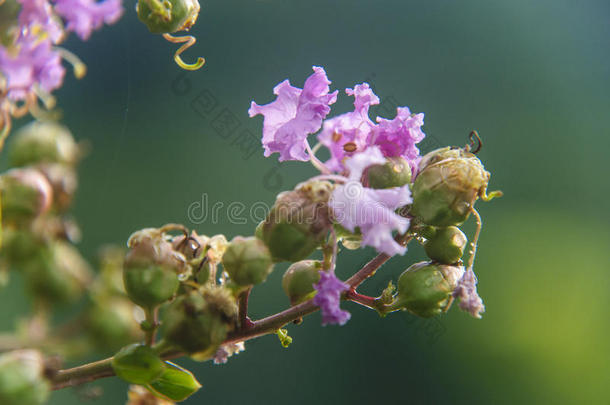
x=199, y=321
x=176, y=383
x=111, y=324
x=299, y=279
x=151, y=268
x=167, y=16
x=22, y=380
x=396, y=172
x=447, y=185
x=138, y=364
x=247, y=260
x=425, y=288
x=446, y=245
x=298, y=221
x=26, y=194
x=43, y=142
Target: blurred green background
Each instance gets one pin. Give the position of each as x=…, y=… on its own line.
x=531, y=77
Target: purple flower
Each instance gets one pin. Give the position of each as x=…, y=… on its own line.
x=466, y=291
x=35, y=64
x=84, y=16
x=39, y=13
x=398, y=137
x=294, y=115
x=348, y=133
x=371, y=210
x=328, y=297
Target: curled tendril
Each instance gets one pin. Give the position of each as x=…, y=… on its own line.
x=187, y=42
x=475, y=143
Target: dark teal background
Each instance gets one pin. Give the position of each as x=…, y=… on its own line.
x=531, y=76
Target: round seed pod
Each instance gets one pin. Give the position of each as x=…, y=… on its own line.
x=22, y=380
x=167, y=16
x=396, y=172
x=447, y=245
x=247, y=260
x=26, y=195
x=447, y=185
x=43, y=142
x=425, y=288
x=299, y=279
x=298, y=222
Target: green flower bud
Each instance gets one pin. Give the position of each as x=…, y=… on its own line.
x=43, y=142
x=299, y=279
x=425, y=288
x=199, y=321
x=111, y=324
x=447, y=186
x=298, y=221
x=19, y=246
x=175, y=384
x=26, y=194
x=22, y=380
x=446, y=245
x=138, y=364
x=247, y=260
x=167, y=16
x=57, y=273
x=396, y=172
x=258, y=232
x=151, y=268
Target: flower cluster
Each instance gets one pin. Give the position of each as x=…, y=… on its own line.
x=30, y=60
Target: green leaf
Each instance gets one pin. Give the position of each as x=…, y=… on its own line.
x=138, y=364
x=175, y=384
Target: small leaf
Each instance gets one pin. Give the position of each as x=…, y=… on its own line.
x=285, y=340
x=137, y=364
x=175, y=384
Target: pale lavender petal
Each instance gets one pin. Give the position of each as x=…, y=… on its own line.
x=39, y=13
x=85, y=16
x=351, y=128
x=328, y=298
x=466, y=291
x=295, y=114
x=360, y=161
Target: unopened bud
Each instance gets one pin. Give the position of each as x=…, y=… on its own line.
x=298, y=221
x=299, y=279
x=447, y=245
x=43, y=142
x=26, y=194
x=247, y=260
x=22, y=380
x=425, y=288
x=167, y=16
x=396, y=172
x=447, y=186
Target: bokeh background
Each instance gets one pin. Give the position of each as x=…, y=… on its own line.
x=531, y=77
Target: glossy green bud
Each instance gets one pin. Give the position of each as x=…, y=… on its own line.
x=298, y=222
x=199, y=321
x=247, y=260
x=175, y=384
x=138, y=364
x=447, y=186
x=26, y=194
x=151, y=268
x=22, y=380
x=57, y=273
x=446, y=245
x=425, y=288
x=299, y=279
x=167, y=16
x=43, y=142
x=111, y=324
x=396, y=172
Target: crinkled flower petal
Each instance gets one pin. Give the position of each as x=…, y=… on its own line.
x=328, y=298
x=294, y=115
x=347, y=133
x=36, y=64
x=370, y=210
x=466, y=291
x=398, y=137
x=84, y=16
